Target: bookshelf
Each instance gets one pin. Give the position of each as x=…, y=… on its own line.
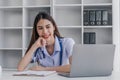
x=17, y=16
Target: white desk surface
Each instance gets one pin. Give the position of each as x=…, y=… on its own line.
x=8, y=75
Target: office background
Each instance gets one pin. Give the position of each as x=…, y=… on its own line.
x=17, y=16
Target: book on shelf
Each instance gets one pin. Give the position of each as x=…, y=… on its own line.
x=86, y=37
x=97, y=17
x=86, y=17
x=91, y=17
x=89, y=38
x=33, y=73
x=109, y=17
x=104, y=17
x=92, y=38
x=98, y=14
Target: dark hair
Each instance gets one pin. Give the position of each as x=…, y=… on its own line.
x=35, y=36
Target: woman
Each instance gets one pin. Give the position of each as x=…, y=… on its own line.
x=47, y=47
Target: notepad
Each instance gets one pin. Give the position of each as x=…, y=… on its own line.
x=33, y=73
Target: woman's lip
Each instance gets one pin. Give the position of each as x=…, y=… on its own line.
x=45, y=37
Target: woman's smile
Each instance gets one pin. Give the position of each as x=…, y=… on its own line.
x=46, y=36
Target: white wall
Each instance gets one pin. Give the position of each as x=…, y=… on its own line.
x=116, y=33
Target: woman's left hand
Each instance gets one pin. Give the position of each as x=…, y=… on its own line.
x=38, y=68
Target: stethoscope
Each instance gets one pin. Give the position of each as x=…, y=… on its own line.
x=43, y=54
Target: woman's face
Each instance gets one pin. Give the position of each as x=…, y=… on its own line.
x=45, y=30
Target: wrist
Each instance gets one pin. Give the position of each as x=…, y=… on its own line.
x=49, y=68
x=34, y=46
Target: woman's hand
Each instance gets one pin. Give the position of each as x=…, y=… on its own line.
x=38, y=68
x=40, y=42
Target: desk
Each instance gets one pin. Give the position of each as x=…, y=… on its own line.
x=7, y=75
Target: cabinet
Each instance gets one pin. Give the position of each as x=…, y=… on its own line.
x=17, y=16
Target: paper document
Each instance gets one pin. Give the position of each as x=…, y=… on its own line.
x=33, y=73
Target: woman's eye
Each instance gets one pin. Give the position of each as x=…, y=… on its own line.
x=47, y=26
x=39, y=28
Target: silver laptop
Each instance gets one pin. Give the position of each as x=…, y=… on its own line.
x=91, y=60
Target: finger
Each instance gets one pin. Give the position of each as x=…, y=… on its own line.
x=43, y=42
x=32, y=68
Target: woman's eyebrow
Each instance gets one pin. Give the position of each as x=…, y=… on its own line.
x=47, y=24
x=39, y=26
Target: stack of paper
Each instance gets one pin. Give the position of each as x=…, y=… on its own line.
x=33, y=73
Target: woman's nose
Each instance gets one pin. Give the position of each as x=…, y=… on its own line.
x=44, y=30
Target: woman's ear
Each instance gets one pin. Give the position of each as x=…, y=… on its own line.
x=54, y=32
x=54, y=28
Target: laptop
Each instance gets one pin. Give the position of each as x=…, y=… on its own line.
x=91, y=60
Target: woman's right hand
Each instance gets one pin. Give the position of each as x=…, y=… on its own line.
x=38, y=68
x=27, y=58
x=40, y=42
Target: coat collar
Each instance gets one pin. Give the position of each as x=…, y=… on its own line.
x=56, y=46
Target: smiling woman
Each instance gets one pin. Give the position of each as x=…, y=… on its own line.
x=47, y=47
